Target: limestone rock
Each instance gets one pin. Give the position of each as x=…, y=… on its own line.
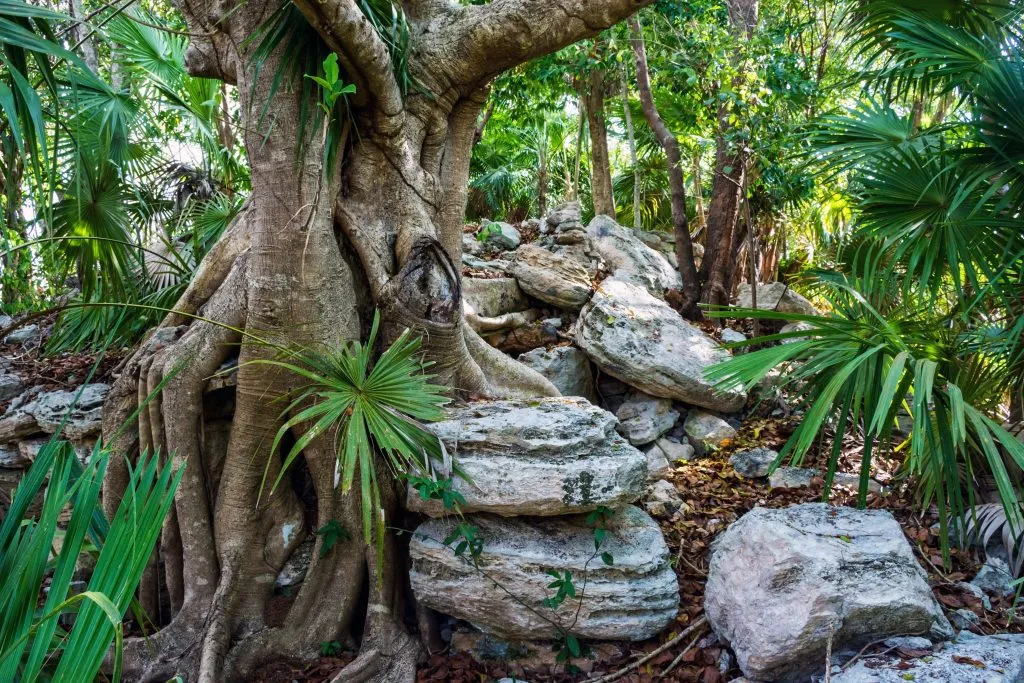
x=706, y=431
x=476, y=263
x=657, y=463
x=775, y=296
x=564, y=213
x=556, y=280
x=49, y=410
x=661, y=499
x=632, y=599
x=10, y=386
x=643, y=418
x=676, y=451
x=24, y=335
x=498, y=236
x=630, y=259
x=567, y=367
x=786, y=477
x=491, y=297
x=753, y=463
x=549, y=456
x=45, y=413
x=802, y=477
x=640, y=340
x=971, y=659
x=995, y=577
x=731, y=336
x=795, y=327
x=780, y=581
x=12, y=458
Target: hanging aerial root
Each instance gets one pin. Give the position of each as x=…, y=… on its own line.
x=172, y=422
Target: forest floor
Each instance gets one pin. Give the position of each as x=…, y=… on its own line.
x=714, y=496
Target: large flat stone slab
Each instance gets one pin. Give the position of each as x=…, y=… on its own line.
x=642, y=341
x=632, y=599
x=550, y=456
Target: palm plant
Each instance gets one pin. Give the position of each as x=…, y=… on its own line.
x=878, y=354
x=34, y=643
x=925, y=307
x=373, y=408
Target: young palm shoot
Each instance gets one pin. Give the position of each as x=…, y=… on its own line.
x=372, y=407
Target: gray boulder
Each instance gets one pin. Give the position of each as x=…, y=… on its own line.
x=294, y=570
x=10, y=386
x=11, y=457
x=643, y=418
x=640, y=340
x=706, y=431
x=661, y=499
x=781, y=581
x=550, y=456
x=971, y=659
x=787, y=477
x=632, y=599
x=676, y=451
x=553, y=279
x=657, y=463
x=753, y=463
x=630, y=259
x=995, y=577
x=802, y=477
x=795, y=327
x=476, y=263
x=569, y=212
x=24, y=335
x=498, y=236
x=775, y=296
x=491, y=297
x=47, y=411
x=731, y=336
x=567, y=367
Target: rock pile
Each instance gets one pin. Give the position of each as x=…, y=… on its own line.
x=531, y=469
x=33, y=416
x=552, y=306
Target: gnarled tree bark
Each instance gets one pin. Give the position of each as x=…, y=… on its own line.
x=309, y=250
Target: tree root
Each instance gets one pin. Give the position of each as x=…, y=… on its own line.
x=500, y=323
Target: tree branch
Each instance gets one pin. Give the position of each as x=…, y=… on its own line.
x=505, y=33
x=345, y=28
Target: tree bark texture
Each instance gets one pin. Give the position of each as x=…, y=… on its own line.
x=676, y=180
x=726, y=189
x=600, y=164
x=310, y=253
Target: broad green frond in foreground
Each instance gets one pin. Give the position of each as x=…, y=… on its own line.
x=371, y=407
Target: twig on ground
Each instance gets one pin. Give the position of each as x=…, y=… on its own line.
x=615, y=675
x=679, y=657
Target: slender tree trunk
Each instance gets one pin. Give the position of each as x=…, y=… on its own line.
x=631, y=136
x=600, y=165
x=716, y=267
x=698, y=195
x=579, y=147
x=80, y=34
x=676, y=181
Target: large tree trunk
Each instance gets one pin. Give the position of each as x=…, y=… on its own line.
x=676, y=180
x=726, y=189
x=309, y=250
x=600, y=164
